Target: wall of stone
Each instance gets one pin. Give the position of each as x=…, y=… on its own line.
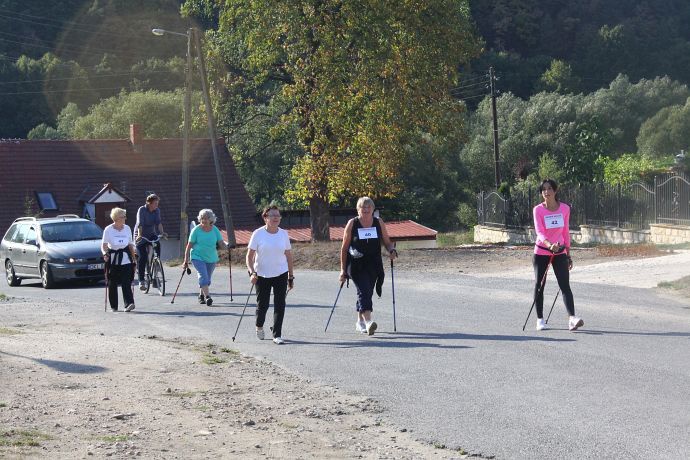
x=657, y=234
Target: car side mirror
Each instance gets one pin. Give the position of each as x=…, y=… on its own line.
x=32, y=242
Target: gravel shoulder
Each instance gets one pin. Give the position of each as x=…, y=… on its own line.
x=66, y=393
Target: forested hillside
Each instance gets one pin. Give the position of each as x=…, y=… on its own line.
x=335, y=99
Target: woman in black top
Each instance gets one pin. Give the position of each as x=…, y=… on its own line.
x=360, y=259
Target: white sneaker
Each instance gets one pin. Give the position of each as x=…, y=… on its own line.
x=541, y=324
x=361, y=326
x=574, y=322
x=260, y=334
x=278, y=341
x=130, y=307
x=371, y=327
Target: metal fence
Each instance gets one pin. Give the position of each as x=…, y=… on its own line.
x=635, y=206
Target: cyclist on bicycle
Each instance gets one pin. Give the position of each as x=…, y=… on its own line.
x=149, y=226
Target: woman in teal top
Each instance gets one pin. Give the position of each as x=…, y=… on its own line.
x=204, y=241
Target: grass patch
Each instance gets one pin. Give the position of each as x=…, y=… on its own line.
x=229, y=351
x=3, y=404
x=213, y=359
x=203, y=408
x=3, y=296
x=8, y=331
x=22, y=438
x=181, y=394
x=451, y=239
x=115, y=438
x=681, y=286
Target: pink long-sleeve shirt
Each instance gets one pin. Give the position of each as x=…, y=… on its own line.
x=551, y=226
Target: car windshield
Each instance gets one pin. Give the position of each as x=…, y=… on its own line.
x=71, y=231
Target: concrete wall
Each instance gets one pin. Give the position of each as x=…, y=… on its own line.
x=657, y=234
x=669, y=234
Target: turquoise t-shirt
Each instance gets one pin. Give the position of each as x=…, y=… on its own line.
x=204, y=244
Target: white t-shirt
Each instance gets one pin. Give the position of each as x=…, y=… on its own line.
x=270, y=250
x=118, y=239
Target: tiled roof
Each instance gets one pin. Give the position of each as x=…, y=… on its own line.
x=75, y=170
x=405, y=230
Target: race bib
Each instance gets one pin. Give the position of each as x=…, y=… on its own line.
x=367, y=233
x=554, y=221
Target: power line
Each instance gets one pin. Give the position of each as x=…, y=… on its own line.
x=57, y=24
x=72, y=50
x=81, y=90
x=86, y=77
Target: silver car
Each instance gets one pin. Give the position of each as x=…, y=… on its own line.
x=52, y=249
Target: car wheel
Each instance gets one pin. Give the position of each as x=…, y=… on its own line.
x=46, y=276
x=11, y=278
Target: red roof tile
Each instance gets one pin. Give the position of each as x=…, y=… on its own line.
x=75, y=170
x=405, y=230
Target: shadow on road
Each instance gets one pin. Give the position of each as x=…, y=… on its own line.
x=376, y=344
x=63, y=366
x=641, y=333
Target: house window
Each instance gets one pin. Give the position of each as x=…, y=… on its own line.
x=46, y=201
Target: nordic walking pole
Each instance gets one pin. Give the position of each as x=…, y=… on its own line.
x=242, y=316
x=230, y=267
x=185, y=269
x=393, y=289
x=554, y=303
x=541, y=288
x=334, y=304
x=107, y=284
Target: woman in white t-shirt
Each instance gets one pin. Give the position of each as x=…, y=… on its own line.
x=269, y=261
x=118, y=249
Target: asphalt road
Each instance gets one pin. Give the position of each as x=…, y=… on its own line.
x=459, y=371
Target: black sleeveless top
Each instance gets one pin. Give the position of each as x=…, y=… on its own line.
x=370, y=247
x=370, y=261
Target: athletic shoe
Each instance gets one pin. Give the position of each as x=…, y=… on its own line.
x=130, y=307
x=278, y=341
x=260, y=334
x=541, y=324
x=209, y=301
x=142, y=285
x=371, y=327
x=361, y=326
x=201, y=299
x=575, y=322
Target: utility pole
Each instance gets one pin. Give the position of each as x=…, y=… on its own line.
x=212, y=132
x=184, y=203
x=497, y=172
x=184, y=194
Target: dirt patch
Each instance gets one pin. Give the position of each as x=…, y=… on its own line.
x=71, y=395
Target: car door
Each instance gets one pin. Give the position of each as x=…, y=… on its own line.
x=24, y=254
x=31, y=250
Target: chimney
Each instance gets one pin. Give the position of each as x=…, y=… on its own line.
x=135, y=136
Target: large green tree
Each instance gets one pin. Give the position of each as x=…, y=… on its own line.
x=361, y=82
x=666, y=133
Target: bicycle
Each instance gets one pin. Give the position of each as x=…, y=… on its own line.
x=154, y=267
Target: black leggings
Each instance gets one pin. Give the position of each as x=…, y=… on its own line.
x=122, y=275
x=560, y=268
x=263, y=297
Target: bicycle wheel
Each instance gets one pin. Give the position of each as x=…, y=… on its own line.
x=159, y=276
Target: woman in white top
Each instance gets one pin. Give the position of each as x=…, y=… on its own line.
x=118, y=252
x=269, y=261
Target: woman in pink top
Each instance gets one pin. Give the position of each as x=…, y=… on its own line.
x=551, y=224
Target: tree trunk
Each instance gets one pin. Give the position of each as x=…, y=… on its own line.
x=319, y=217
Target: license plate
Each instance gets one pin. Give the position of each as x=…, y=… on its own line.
x=95, y=266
